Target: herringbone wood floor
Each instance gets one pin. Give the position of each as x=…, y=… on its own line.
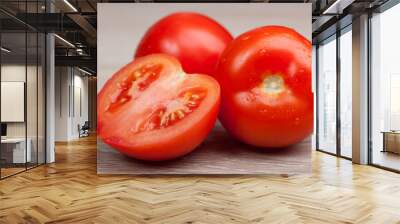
x=69, y=191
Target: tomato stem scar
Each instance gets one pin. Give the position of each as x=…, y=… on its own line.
x=273, y=84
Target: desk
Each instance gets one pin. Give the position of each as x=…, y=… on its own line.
x=391, y=141
x=15, y=148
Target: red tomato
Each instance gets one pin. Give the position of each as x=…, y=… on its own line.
x=196, y=40
x=152, y=110
x=265, y=78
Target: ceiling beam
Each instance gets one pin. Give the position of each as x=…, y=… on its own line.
x=84, y=24
x=337, y=7
x=81, y=61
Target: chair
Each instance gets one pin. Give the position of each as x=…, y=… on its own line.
x=84, y=130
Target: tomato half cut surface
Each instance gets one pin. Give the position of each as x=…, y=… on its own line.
x=265, y=78
x=152, y=110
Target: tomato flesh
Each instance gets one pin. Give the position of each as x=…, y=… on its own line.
x=168, y=114
x=141, y=77
x=265, y=78
x=152, y=110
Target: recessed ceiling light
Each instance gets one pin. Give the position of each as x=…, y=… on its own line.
x=64, y=40
x=70, y=5
x=337, y=7
x=84, y=71
x=5, y=50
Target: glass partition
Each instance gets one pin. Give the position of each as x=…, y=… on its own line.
x=14, y=153
x=22, y=77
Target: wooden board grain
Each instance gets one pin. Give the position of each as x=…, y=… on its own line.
x=218, y=154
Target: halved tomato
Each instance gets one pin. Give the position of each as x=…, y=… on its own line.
x=152, y=110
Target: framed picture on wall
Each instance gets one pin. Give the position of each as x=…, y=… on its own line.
x=204, y=88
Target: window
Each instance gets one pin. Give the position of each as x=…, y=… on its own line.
x=326, y=94
x=385, y=89
x=346, y=92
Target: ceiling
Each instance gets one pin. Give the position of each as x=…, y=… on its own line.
x=76, y=20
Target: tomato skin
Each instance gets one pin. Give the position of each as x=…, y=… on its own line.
x=195, y=40
x=251, y=111
x=117, y=127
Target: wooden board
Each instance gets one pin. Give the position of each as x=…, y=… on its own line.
x=219, y=154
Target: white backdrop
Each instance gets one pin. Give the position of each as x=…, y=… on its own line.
x=120, y=26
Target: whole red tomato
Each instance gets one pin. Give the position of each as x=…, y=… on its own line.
x=265, y=78
x=152, y=110
x=196, y=40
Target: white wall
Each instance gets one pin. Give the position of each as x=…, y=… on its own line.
x=61, y=103
x=12, y=73
x=314, y=86
x=71, y=93
x=80, y=103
